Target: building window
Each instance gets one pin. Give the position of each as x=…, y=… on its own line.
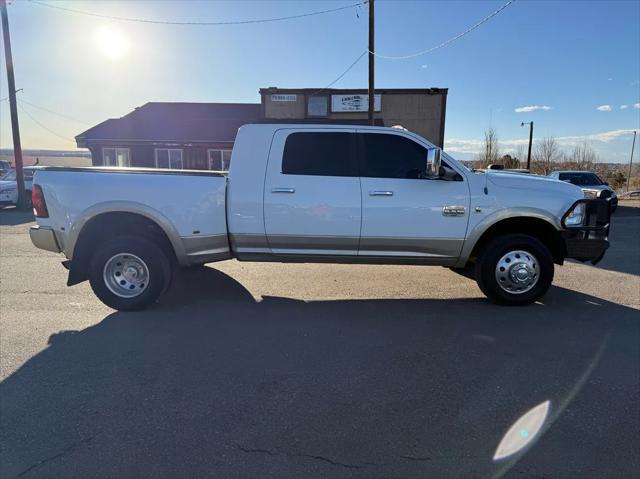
x=219, y=160
x=318, y=106
x=320, y=154
x=116, y=157
x=169, y=158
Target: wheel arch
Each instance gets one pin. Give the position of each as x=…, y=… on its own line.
x=107, y=221
x=532, y=223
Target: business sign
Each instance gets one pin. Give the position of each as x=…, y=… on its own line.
x=342, y=103
x=284, y=97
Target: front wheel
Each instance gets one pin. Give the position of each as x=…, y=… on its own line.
x=129, y=273
x=514, y=269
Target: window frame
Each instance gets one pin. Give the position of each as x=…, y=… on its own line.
x=307, y=112
x=115, y=151
x=169, y=150
x=221, y=150
x=353, y=154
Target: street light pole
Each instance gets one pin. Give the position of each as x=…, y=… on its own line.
x=371, y=61
x=13, y=107
x=530, y=123
x=633, y=145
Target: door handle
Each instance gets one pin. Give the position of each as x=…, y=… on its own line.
x=283, y=190
x=380, y=193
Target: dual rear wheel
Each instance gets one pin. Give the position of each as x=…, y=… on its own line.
x=129, y=273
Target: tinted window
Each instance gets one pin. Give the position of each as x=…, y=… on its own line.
x=392, y=156
x=582, y=179
x=323, y=154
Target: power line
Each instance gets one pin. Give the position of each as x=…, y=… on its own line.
x=342, y=74
x=26, y=112
x=451, y=40
x=53, y=112
x=194, y=23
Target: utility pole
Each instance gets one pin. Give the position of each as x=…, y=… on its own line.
x=13, y=107
x=530, y=123
x=633, y=145
x=371, y=60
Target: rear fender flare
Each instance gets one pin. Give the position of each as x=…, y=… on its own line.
x=126, y=207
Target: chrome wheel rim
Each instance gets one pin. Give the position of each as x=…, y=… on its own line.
x=517, y=272
x=126, y=275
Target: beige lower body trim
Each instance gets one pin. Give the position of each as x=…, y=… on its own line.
x=206, y=249
x=381, y=250
x=410, y=247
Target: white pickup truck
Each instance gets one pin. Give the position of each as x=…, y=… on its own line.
x=315, y=193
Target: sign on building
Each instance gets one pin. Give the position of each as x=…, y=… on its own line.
x=342, y=103
x=284, y=97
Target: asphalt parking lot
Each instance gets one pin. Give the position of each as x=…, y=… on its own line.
x=270, y=370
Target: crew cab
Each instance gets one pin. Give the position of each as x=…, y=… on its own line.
x=315, y=193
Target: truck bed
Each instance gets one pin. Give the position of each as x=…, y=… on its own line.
x=188, y=205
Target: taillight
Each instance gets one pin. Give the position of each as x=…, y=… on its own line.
x=37, y=200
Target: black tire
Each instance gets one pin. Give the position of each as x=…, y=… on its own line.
x=499, y=247
x=154, y=258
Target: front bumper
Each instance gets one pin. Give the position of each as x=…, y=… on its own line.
x=44, y=238
x=590, y=240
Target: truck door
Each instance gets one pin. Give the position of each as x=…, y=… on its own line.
x=405, y=215
x=312, y=193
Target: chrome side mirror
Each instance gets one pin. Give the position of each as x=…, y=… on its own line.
x=434, y=162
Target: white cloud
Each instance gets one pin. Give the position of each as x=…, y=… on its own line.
x=603, y=137
x=465, y=147
x=424, y=67
x=624, y=107
x=609, y=79
x=636, y=106
x=604, y=108
x=530, y=108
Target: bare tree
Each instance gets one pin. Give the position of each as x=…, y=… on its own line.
x=521, y=154
x=489, y=153
x=583, y=157
x=509, y=162
x=547, y=153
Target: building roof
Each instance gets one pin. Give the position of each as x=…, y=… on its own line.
x=347, y=91
x=175, y=122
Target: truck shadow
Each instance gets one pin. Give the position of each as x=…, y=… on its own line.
x=11, y=216
x=624, y=253
x=214, y=383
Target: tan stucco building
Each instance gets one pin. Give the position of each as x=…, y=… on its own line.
x=416, y=109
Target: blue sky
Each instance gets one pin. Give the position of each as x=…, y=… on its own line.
x=568, y=56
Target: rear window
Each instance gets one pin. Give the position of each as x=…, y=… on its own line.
x=320, y=154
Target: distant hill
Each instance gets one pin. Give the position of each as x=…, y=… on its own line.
x=48, y=153
x=49, y=157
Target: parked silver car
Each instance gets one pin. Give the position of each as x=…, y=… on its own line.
x=9, y=187
x=591, y=184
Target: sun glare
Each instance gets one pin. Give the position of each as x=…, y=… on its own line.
x=111, y=42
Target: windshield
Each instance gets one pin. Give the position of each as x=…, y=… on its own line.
x=581, y=179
